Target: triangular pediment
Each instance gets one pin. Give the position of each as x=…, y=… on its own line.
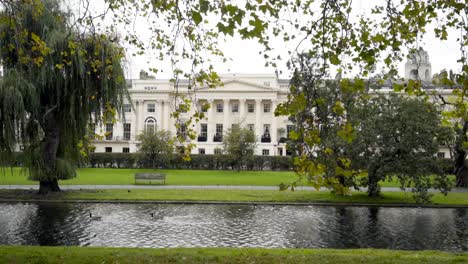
x=236, y=85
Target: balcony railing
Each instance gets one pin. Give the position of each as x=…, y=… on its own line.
x=202, y=138
x=283, y=140
x=218, y=138
x=266, y=138
x=115, y=138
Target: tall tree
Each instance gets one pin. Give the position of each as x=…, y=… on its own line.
x=56, y=80
x=323, y=131
x=240, y=144
x=399, y=137
x=343, y=132
x=155, y=146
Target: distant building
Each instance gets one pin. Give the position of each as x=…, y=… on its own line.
x=247, y=100
x=418, y=66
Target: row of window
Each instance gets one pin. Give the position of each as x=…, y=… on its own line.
x=201, y=151
x=151, y=108
x=109, y=135
x=251, y=127
x=124, y=150
x=150, y=126
x=265, y=152
x=235, y=108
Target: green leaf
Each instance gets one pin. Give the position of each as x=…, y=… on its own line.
x=334, y=59
x=196, y=17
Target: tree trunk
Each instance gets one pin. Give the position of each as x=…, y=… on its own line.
x=48, y=186
x=461, y=170
x=49, y=147
x=373, y=188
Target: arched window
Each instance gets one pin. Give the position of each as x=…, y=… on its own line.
x=150, y=125
x=414, y=74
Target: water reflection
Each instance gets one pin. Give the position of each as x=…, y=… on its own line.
x=159, y=225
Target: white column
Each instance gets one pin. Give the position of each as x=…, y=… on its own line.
x=141, y=114
x=211, y=123
x=159, y=114
x=162, y=125
x=242, y=116
x=226, y=111
x=167, y=113
x=135, y=119
x=258, y=119
x=274, y=129
x=170, y=120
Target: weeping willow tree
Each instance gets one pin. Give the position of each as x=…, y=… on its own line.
x=55, y=81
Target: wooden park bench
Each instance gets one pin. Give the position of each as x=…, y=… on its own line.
x=150, y=177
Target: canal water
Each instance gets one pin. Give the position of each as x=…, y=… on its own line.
x=266, y=226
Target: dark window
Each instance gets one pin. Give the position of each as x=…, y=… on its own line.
x=219, y=108
x=150, y=126
x=127, y=131
x=127, y=108
x=265, y=152
x=218, y=137
x=201, y=151
x=151, y=108
x=235, y=108
x=250, y=108
x=219, y=129
x=108, y=149
x=126, y=150
x=203, y=133
x=182, y=130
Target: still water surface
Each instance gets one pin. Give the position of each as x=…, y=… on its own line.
x=131, y=225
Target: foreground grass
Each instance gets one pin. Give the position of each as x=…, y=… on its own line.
x=103, y=176
x=31, y=254
x=232, y=196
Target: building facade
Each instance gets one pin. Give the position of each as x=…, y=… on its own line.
x=247, y=100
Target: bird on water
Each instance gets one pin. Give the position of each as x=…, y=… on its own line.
x=94, y=217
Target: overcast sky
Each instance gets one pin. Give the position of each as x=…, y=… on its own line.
x=245, y=58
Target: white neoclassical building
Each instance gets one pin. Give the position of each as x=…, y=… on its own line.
x=245, y=99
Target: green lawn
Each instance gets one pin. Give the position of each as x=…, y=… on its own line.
x=232, y=196
x=34, y=254
x=101, y=176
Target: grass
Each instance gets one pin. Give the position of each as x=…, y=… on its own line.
x=232, y=196
x=34, y=254
x=102, y=176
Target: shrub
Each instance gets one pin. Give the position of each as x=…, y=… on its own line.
x=197, y=162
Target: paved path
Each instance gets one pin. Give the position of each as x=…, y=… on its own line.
x=188, y=187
